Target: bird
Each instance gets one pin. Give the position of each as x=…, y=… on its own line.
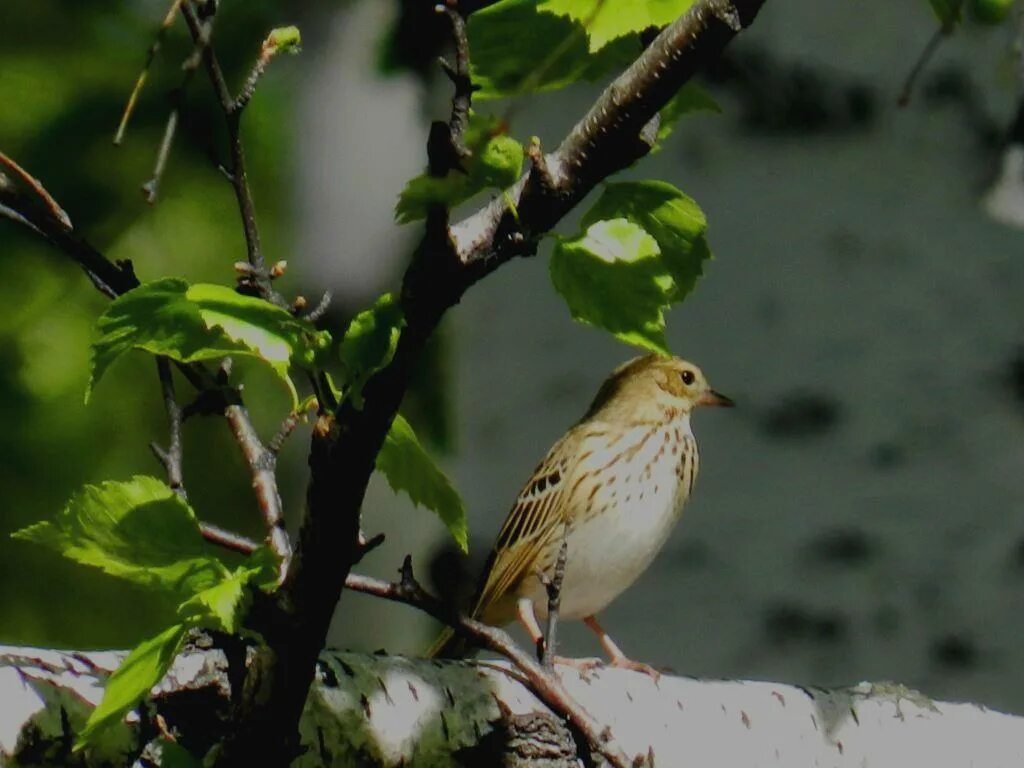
x=612, y=487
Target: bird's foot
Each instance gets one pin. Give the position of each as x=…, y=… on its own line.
x=584, y=665
x=623, y=662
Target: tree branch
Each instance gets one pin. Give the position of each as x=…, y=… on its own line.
x=543, y=682
x=261, y=283
x=171, y=456
x=263, y=466
x=393, y=712
x=447, y=262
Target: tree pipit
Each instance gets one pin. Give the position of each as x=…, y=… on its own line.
x=619, y=480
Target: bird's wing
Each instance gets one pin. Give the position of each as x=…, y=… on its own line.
x=536, y=518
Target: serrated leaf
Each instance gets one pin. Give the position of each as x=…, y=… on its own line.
x=370, y=342
x=673, y=219
x=612, y=277
x=142, y=669
x=138, y=530
x=410, y=469
x=202, y=322
x=495, y=163
x=553, y=54
x=690, y=98
x=608, y=20
x=222, y=606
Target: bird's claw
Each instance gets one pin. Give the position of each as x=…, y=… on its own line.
x=623, y=662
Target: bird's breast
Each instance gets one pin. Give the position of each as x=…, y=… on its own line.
x=630, y=513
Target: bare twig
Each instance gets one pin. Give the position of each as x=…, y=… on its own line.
x=152, y=187
x=140, y=81
x=24, y=199
x=314, y=315
x=288, y=426
x=260, y=283
x=553, y=586
x=262, y=464
x=543, y=682
x=458, y=73
x=228, y=539
x=922, y=61
x=171, y=457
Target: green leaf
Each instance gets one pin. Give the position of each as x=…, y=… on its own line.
x=137, y=530
x=612, y=277
x=517, y=49
x=142, y=669
x=202, y=322
x=370, y=342
x=690, y=98
x=223, y=605
x=408, y=467
x=495, y=163
x=607, y=20
x=673, y=219
x=949, y=12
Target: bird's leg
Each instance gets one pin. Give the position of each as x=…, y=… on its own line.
x=615, y=655
x=524, y=607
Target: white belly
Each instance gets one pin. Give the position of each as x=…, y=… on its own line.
x=608, y=551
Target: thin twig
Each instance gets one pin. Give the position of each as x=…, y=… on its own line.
x=543, y=682
x=922, y=61
x=171, y=457
x=553, y=586
x=235, y=542
x=314, y=315
x=24, y=199
x=260, y=282
x=458, y=73
x=263, y=465
x=188, y=68
x=140, y=81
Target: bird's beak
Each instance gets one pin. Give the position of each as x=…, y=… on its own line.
x=710, y=397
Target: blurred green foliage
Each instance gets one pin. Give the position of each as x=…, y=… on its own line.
x=66, y=69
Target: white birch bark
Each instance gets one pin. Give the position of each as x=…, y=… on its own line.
x=395, y=711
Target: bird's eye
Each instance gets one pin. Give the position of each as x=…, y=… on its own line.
x=687, y=377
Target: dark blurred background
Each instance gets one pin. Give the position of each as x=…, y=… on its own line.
x=858, y=517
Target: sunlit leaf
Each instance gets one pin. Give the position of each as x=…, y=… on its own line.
x=138, y=530
x=552, y=54
x=495, y=163
x=201, y=322
x=607, y=20
x=673, y=219
x=409, y=468
x=222, y=606
x=612, y=277
x=142, y=669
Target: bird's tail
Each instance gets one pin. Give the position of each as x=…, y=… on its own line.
x=449, y=646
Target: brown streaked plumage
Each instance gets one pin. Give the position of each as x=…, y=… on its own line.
x=618, y=479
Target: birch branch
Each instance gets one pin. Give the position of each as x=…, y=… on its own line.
x=393, y=711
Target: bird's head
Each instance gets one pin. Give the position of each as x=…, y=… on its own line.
x=646, y=387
